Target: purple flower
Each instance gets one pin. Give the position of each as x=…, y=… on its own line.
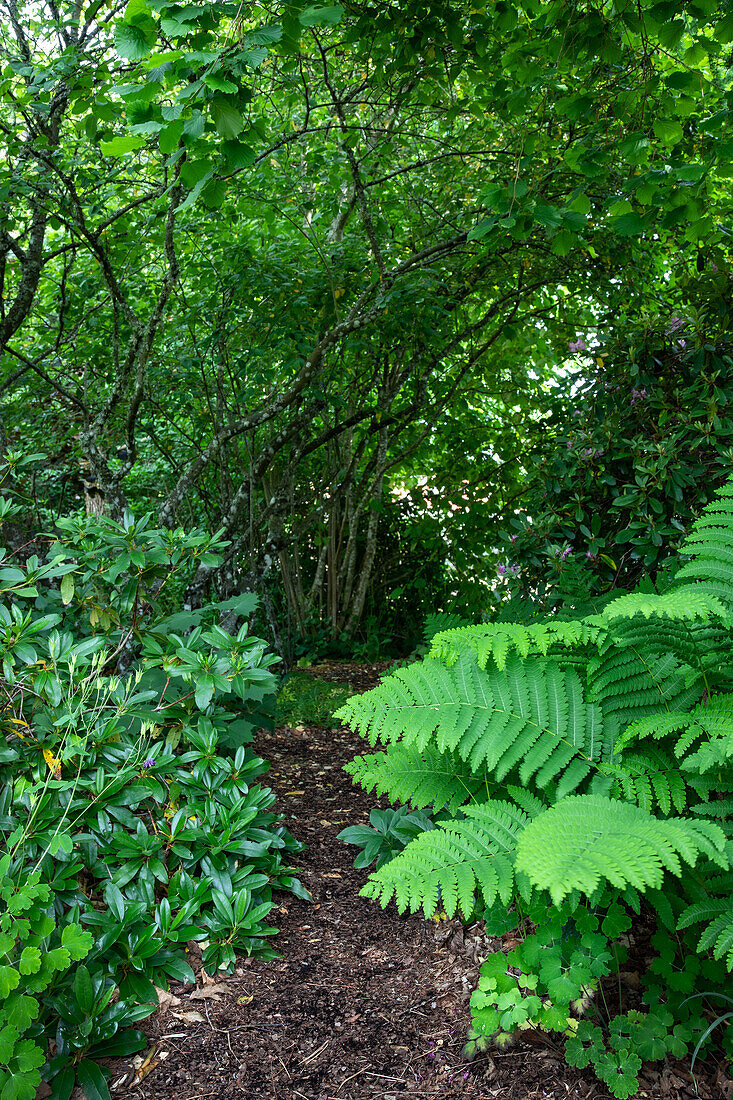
x=501, y=569
x=589, y=555
x=566, y=553
x=638, y=395
x=514, y=570
x=149, y=763
x=578, y=345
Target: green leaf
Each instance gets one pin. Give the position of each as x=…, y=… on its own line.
x=196, y=172
x=238, y=155
x=9, y=980
x=83, y=989
x=133, y=42
x=311, y=17
x=77, y=942
x=219, y=83
x=29, y=1056
x=548, y=216
x=634, y=147
x=227, y=119
x=8, y=1038
x=214, y=193
x=671, y=33
x=118, y=147
x=628, y=225
x=92, y=1080
x=67, y=582
x=204, y=691
x=668, y=130
x=29, y=961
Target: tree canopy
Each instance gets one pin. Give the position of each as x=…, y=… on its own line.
x=275, y=268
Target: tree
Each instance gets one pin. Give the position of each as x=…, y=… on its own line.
x=352, y=225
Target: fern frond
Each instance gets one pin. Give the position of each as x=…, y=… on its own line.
x=439, y=621
x=531, y=716
x=680, y=603
x=454, y=862
x=718, y=936
x=420, y=778
x=712, y=719
x=650, y=779
x=632, y=684
x=495, y=641
x=588, y=838
x=710, y=544
x=719, y=807
x=703, y=911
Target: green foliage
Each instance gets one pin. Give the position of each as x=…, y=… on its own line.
x=308, y=700
x=387, y=834
x=424, y=777
x=32, y=956
x=587, y=766
x=127, y=832
x=636, y=442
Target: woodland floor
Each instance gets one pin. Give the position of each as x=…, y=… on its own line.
x=363, y=1003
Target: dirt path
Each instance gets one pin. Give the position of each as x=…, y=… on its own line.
x=363, y=1003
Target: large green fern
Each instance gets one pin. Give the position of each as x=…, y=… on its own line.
x=528, y=718
x=563, y=748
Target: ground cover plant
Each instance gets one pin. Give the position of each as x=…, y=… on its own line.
x=586, y=765
x=131, y=816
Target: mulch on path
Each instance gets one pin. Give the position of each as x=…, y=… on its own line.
x=363, y=1003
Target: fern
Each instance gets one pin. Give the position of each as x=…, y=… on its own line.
x=439, y=621
x=584, y=759
x=710, y=544
x=681, y=603
x=453, y=862
x=532, y=717
x=717, y=936
x=651, y=780
x=422, y=778
x=494, y=641
x=712, y=720
x=586, y=839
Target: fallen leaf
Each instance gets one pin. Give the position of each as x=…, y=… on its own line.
x=189, y=1017
x=166, y=999
x=209, y=993
x=244, y=1000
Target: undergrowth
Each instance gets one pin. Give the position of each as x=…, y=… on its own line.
x=587, y=769
x=305, y=700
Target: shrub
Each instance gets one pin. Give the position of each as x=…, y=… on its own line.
x=127, y=832
x=637, y=441
x=386, y=834
x=587, y=766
